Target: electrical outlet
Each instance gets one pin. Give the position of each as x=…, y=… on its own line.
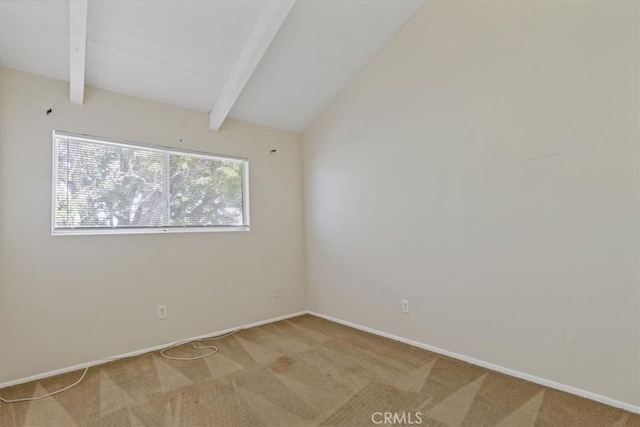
x=276, y=292
x=405, y=305
x=162, y=312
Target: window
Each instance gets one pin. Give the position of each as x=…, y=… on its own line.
x=103, y=186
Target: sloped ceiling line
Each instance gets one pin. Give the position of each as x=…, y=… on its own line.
x=266, y=28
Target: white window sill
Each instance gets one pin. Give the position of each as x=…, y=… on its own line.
x=168, y=230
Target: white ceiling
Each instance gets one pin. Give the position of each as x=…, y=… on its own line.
x=183, y=53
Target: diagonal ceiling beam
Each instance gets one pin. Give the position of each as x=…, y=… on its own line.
x=78, y=49
x=268, y=25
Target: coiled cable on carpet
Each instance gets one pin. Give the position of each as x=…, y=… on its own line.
x=213, y=351
x=213, y=348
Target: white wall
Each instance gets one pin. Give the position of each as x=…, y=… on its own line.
x=485, y=166
x=65, y=300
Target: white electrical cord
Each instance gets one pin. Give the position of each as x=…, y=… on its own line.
x=213, y=348
x=174, y=345
x=27, y=399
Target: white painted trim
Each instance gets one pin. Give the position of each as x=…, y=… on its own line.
x=77, y=49
x=152, y=147
x=73, y=137
x=156, y=230
x=511, y=372
x=268, y=24
x=144, y=350
x=273, y=320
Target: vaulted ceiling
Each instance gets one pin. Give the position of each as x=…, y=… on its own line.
x=276, y=63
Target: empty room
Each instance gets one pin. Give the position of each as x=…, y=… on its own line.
x=320, y=213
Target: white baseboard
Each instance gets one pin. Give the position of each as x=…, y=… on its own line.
x=511, y=372
x=144, y=350
x=532, y=378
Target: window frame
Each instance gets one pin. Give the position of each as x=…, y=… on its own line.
x=146, y=230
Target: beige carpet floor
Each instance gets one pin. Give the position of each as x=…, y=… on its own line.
x=304, y=371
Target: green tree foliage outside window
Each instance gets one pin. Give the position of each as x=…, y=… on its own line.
x=205, y=191
x=102, y=185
